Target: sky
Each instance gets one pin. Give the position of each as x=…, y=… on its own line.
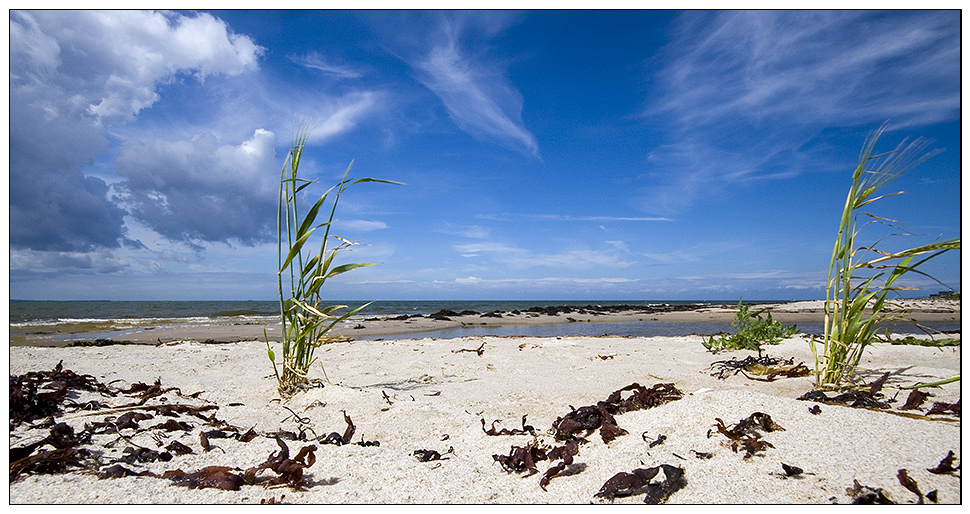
x=575, y=155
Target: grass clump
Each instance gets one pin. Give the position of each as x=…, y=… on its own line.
x=916, y=341
x=753, y=331
x=861, y=277
x=306, y=321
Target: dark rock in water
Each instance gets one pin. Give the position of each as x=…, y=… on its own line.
x=493, y=314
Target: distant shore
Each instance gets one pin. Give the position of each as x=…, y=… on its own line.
x=926, y=310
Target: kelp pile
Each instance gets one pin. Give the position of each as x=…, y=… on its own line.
x=37, y=398
x=746, y=434
x=600, y=416
x=579, y=423
x=871, y=396
x=638, y=481
x=865, y=495
x=753, y=368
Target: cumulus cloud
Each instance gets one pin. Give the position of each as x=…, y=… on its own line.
x=32, y=262
x=197, y=190
x=74, y=74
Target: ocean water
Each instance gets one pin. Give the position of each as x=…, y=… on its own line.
x=29, y=311
x=31, y=319
x=28, y=317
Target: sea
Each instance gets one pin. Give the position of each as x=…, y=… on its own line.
x=27, y=316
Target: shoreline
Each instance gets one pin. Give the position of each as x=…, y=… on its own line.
x=928, y=310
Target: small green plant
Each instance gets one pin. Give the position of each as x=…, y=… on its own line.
x=861, y=277
x=753, y=331
x=305, y=320
x=915, y=341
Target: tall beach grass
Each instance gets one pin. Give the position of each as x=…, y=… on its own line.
x=306, y=320
x=861, y=278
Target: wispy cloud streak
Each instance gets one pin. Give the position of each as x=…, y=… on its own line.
x=563, y=217
x=775, y=79
x=478, y=95
x=813, y=68
x=314, y=60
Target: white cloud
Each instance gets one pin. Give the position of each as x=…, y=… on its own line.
x=73, y=74
x=316, y=61
x=564, y=217
x=811, y=67
x=361, y=225
x=775, y=80
x=113, y=60
x=335, y=116
x=520, y=258
x=479, y=97
x=198, y=190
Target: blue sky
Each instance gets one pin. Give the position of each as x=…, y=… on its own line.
x=547, y=154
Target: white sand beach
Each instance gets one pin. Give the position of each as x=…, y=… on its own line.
x=428, y=394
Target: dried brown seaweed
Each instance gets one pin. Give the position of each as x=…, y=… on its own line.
x=526, y=429
x=65, y=443
x=745, y=433
x=480, y=350
x=39, y=394
x=289, y=471
x=851, y=398
x=119, y=471
x=178, y=448
x=747, y=426
x=131, y=455
x=588, y=418
x=131, y=419
x=430, y=455
x=769, y=367
x=945, y=465
x=216, y=477
x=521, y=458
x=674, y=481
x=248, y=436
x=336, y=438
x=914, y=400
x=865, y=495
x=877, y=384
x=638, y=482
x=171, y=425
x=204, y=441
x=751, y=444
x=943, y=408
x=791, y=471
x=52, y=462
x=566, y=454
x=702, y=455
x=910, y=484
